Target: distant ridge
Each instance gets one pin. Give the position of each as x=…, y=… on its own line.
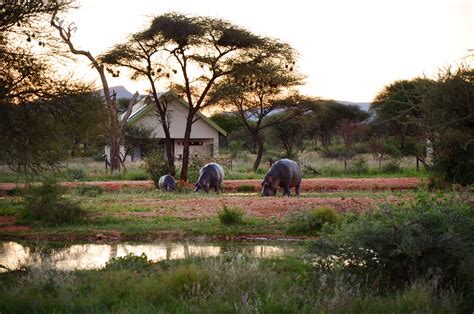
x=362, y=105
x=120, y=91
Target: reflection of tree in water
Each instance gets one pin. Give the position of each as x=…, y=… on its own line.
x=113, y=251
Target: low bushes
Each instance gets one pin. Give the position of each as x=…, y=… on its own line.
x=311, y=222
x=230, y=216
x=156, y=166
x=45, y=204
x=431, y=238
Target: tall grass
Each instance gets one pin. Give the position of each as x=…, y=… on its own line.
x=237, y=284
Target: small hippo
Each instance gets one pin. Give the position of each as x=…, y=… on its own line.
x=167, y=183
x=284, y=173
x=211, y=175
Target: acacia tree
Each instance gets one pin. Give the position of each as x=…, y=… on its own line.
x=398, y=115
x=202, y=51
x=116, y=124
x=140, y=54
x=257, y=90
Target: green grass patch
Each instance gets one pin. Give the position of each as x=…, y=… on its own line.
x=311, y=222
x=230, y=216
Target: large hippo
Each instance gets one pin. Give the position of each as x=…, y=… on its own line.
x=211, y=175
x=167, y=183
x=284, y=173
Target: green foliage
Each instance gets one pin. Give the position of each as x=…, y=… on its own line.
x=311, y=222
x=392, y=166
x=156, y=166
x=45, y=205
x=130, y=262
x=76, y=173
x=230, y=216
x=397, y=245
x=90, y=190
x=195, y=164
x=246, y=188
x=234, y=284
x=359, y=166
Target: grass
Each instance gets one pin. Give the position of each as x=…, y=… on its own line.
x=129, y=213
x=226, y=284
x=84, y=169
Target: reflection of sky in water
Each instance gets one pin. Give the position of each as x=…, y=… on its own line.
x=93, y=256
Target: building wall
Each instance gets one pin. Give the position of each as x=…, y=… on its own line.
x=201, y=131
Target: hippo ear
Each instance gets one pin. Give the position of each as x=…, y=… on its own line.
x=263, y=182
x=269, y=179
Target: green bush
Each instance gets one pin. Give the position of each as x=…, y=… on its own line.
x=157, y=166
x=359, y=166
x=311, y=222
x=394, y=246
x=391, y=167
x=90, y=190
x=76, y=174
x=46, y=205
x=245, y=188
x=130, y=261
x=230, y=216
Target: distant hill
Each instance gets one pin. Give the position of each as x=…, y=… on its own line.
x=120, y=90
x=363, y=105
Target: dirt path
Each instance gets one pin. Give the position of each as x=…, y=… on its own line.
x=315, y=184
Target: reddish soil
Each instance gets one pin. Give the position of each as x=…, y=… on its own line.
x=269, y=207
x=7, y=224
x=318, y=184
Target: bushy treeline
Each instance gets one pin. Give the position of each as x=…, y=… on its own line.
x=430, y=120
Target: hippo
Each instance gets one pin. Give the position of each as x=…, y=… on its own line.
x=285, y=173
x=167, y=183
x=211, y=175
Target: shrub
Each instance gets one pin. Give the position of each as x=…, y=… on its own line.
x=391, y=167
x=45, y=204
x=156, y=165
x=311, y=222
x=245, y=188
x=230, y=216
x=130, y=261
x=186, y=279
x=359, y=166
x=76, y=173
x=90, y=190
x=397, y=245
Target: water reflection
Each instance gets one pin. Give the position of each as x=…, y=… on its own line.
x=94, y=256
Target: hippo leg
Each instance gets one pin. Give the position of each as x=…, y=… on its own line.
x=286, y=190
x=217, y=188
x=297, y=190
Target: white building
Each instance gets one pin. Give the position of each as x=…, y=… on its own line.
x=204, y=134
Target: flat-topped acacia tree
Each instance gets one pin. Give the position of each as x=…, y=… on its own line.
x=255, y=92
x=201, y=51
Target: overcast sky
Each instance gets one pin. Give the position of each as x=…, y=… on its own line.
x=349, y=49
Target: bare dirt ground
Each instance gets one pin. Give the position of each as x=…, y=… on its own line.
x=315, y=184
x=255, y=206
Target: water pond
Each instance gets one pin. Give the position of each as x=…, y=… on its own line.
x=14, y=255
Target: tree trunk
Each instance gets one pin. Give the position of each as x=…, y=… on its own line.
x=259, y=154
x=187, y=137
x=115, y=151
x=169, y=151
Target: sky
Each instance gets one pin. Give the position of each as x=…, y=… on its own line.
x=349, y=49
